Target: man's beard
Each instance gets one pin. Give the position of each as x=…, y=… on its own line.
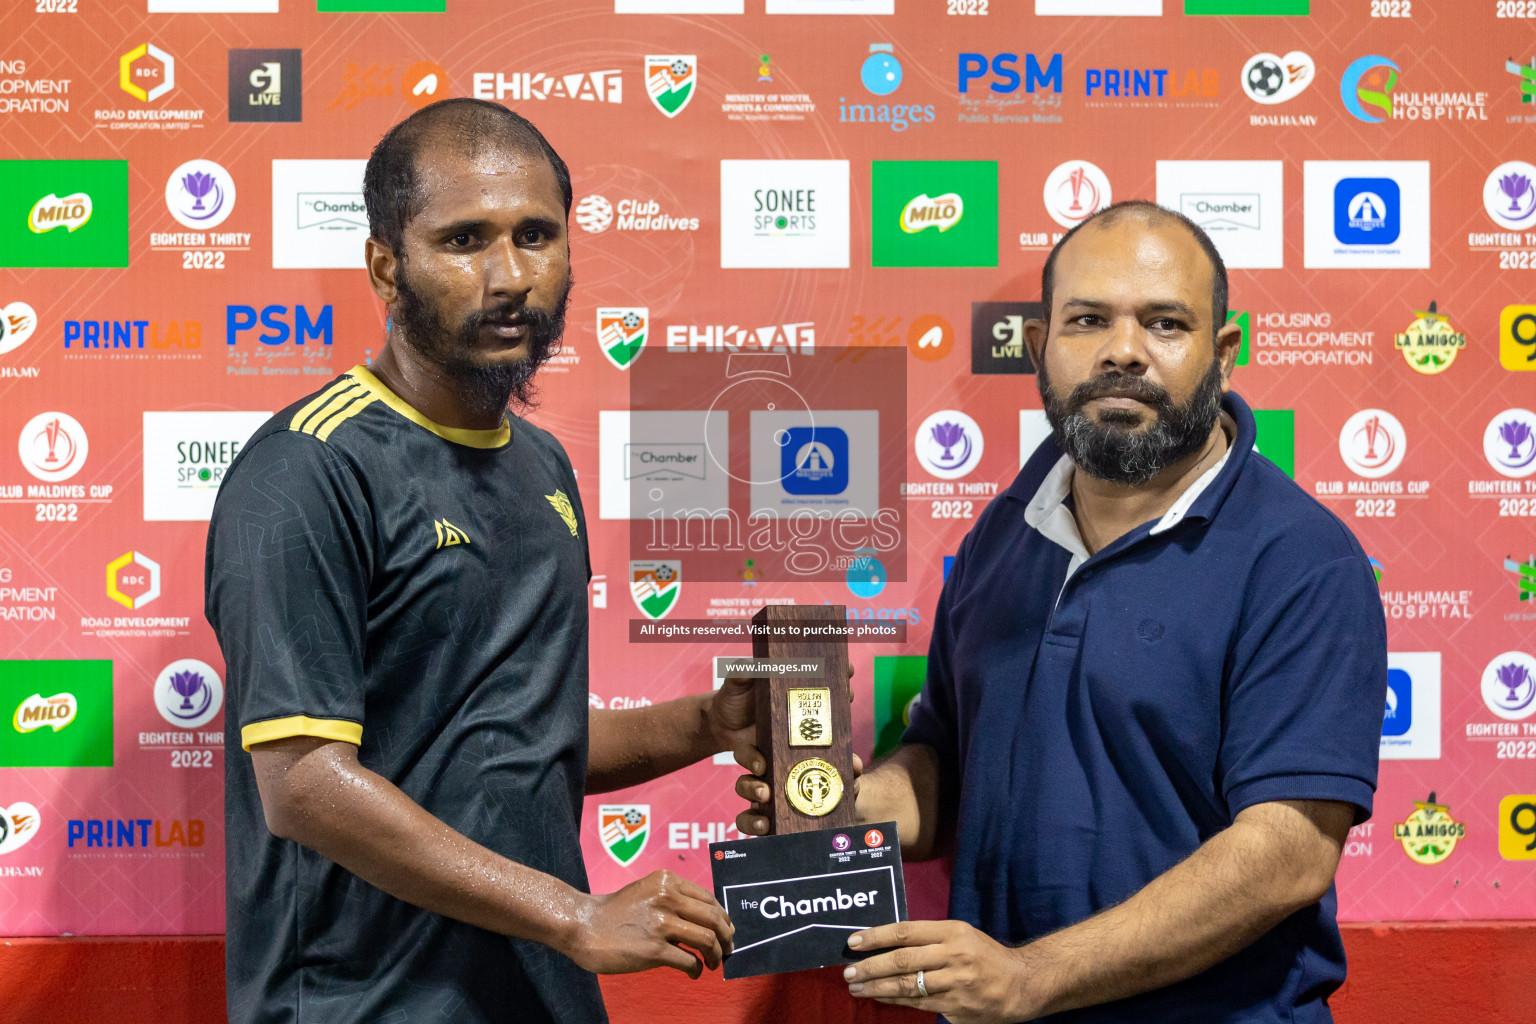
x=458, y=350
x=1116, y=448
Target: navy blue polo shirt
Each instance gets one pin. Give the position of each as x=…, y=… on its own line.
x=1101, y=717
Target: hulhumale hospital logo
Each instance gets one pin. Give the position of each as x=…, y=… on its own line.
x=1509, y=442
x=1366, y=88
x=200, y=194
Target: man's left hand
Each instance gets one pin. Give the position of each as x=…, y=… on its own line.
x=733, y=722
x=971, y=978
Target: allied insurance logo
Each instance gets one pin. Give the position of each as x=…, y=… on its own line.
x=1430, y=834
x=1430, y=343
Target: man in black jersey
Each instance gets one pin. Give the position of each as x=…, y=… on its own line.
x=397, y=574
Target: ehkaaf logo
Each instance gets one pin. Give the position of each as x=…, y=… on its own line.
x=787, y=338
x=605, y=86
x=266, y=85
x=997, y=336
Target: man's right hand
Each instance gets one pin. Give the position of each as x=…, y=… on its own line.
x=648, y=923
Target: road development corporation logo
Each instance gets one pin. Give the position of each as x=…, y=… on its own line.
x=1372, y=443
x=624, y=830
x=146, y=72
x=17, y=322
x=1509, y=443
x=1509, y=686
x=133, y=580
x=655, y=587
x=949, y=444
x=188, y=693
x=1366, y=88
x=1430, y=834
x=1509, y=195
x=39, y=712
x=1271, y=79
x=53, y=446
x=621, y=333
x=18, y=824
x=200, y=194
x=670, y=81
x=1430, y=343
x=1075, y=191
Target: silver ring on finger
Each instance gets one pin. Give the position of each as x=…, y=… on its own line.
x=922, y=990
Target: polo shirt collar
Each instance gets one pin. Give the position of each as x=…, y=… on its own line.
x=1046, y=509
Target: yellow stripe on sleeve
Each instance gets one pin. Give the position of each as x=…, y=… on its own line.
x=301, y=725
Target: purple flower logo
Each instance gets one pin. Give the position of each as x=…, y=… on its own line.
x=1509, y=685
x=1515, y=186
x=1517, y=434
x=841, y=842
x=188, y=685
x=1509, y=442
x=1515, y=678
x=200, y=194
x=949, y=444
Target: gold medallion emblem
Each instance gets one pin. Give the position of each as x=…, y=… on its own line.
x=810, y=717
x=814, y=787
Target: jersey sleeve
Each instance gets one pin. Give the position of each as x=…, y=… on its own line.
x=289, y=550
x=933, y=718
x=1307, y=693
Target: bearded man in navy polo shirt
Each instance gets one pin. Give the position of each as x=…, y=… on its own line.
x=1155, y=687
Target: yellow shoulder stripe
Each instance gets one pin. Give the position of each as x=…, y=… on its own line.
x=301, y=417
x=301, y=725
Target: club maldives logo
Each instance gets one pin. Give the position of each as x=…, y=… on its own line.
x=1270, y=79
x=188, y=693
x=670, y=81
x=594, y=214
x=655, y=587
x=621, y=333
x=624, y=830
x=38, y=712
x=53, y=446
x=18, y=824
x=1075, y=191
x=17, y=322
x=942, y=212
x=1509, y=195
x=1372, y=443
x=200, y=194
x=1509, y=442
x=1509, y=686
x=1367, y=85
x=1430, y=834
x=949, y=444
x=1430, y=343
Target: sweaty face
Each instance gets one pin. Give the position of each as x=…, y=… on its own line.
x=1130, y=380
x=483, y=276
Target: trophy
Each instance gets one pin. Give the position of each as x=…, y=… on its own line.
x=796, y=894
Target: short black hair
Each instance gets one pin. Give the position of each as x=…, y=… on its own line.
x=391, y=185
x=1153, y=214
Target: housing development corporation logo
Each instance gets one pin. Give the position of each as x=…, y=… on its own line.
x=1430, y=343
x=1509, y=443
x=958, y=198
x=670, y=81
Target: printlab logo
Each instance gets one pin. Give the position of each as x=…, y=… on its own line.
x=200, y=194
x=933, y=213
x=1271, y=79
x=1410, y=729
x=1509, y=686
x=53, y=446
x=1075, y=191
x=18, y=824
x=624, y=830
x=17, y=323
x=1237, y=202
x=1366, y=88
x=1372, y=443
x=1517, y=827
x=1430, y=834
x=784, y=213
x=997, y=336
x=87, y=198
x=133, y=580
x=1430, y=344
x=188, y=693
x=670, y=81
x=621, y=333
x=655, y=587
x=266, y=85
x=319, y=220
x=1509, y=195
x=949, y=444
x=1517, y=338
x=146, y=72
x=1509, y=443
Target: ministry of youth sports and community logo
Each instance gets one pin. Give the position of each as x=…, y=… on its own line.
x=624, y=829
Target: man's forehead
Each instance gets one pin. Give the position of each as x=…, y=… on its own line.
x=1133, y=250
x=488, y=176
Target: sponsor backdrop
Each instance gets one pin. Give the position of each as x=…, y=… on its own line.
x=181, y=233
